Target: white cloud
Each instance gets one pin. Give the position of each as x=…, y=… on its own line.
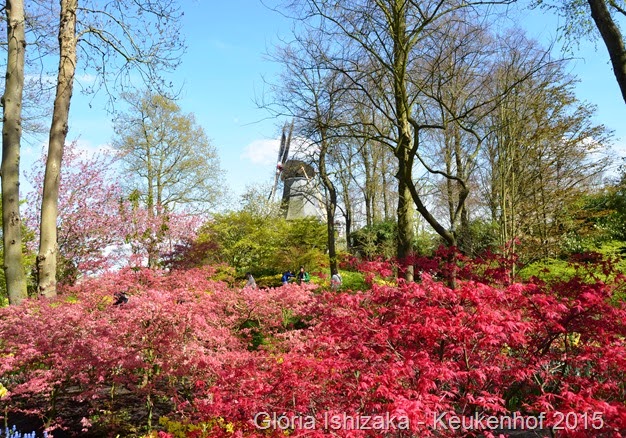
x=262, y=152
x=86, y=78
x=87, y=149
x=303, y=149
x=265, y=152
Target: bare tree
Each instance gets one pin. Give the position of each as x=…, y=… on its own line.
x=461, y=62
x=311, y=93
x=169, y=158
x=373, y=173
x=544, y=151
x=170, y=162
x=48, y=248
x=346, y=161
x=380, y=46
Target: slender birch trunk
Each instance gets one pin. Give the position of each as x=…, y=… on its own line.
x=11, y=138
x=48, y=248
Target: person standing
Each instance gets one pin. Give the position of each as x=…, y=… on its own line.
x=302, y=276
x=286, y=276
x=335, y=281
x=250, y=283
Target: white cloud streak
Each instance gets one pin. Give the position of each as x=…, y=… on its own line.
x=262, y=152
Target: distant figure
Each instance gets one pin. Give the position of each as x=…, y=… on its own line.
x=286, y=276
x=335, y=281
x=120, y=298
x=302, y=276
x=250, y=283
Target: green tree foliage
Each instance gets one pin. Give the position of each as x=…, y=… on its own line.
x=477, y=237
x=598, y=221
x=262, y=244
x=168, y=157
x=377, y=239
x=614, y=198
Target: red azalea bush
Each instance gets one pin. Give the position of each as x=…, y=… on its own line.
x=413, y=359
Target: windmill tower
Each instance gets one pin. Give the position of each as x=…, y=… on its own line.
x=300, y=197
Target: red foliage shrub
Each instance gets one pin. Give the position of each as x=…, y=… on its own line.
x=422, y=351
x=171, y=337
x=416, y=359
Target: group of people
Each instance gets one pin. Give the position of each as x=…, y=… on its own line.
x=301, y=277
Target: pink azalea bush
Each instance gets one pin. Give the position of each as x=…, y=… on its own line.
x=173, y=335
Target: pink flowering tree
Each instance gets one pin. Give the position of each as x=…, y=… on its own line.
x=89, y=222
x=150, y=238
x=99, y=228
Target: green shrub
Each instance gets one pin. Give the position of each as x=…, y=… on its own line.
x=378, y=239
x=269, y=280
x=352, y=280
x=551, y=270
x=263, y=245
x=548, y=270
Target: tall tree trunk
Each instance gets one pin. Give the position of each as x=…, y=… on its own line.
x=405, y=217
x=462, y=171
x=11, y=137
x=369, y=186
x=48, y=248
x=348, y=218
x=153, y=203
x=404, y=147
x=386, y=190
x=447, y=158
x=613, y=41
x=331, y=207
x=345, y=190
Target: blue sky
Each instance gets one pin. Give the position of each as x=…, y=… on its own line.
x=223, y=71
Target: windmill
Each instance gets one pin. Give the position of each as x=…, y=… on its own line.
x=300, y=195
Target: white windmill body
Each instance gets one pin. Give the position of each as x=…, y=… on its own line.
x=301, y=197
x=300, y=191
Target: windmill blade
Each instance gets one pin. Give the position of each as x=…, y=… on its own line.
x=279, y=165
x=273, y=191
x=283, y=146
x=285, y=152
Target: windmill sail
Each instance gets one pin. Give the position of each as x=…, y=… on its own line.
x=283, y=154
